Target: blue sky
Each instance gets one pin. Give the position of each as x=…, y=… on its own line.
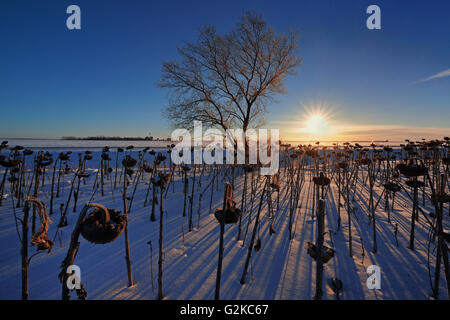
x=100, y=80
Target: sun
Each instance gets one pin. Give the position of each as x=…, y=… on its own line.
x=317, y=124
x=316, y=121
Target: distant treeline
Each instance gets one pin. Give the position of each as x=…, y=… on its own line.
x=112, y=138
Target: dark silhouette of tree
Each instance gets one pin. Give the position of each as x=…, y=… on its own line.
x=226, y=81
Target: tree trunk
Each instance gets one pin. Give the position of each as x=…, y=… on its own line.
x=243, y=203
x=319, y=261
x=192, y=201
x=24, y=252
x=160, y=258
x=219, y=263
x=413, y=219
x=53, y=187
x=127, y=243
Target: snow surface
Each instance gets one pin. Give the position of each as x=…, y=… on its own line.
x=281, y=269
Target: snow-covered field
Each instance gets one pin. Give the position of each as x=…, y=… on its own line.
x=51, y=144
x=281, y=269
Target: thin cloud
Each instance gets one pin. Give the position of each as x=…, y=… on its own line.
x=441, y=74
x=367, y=132
x=392, y=132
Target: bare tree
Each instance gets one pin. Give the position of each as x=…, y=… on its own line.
x=226, y=81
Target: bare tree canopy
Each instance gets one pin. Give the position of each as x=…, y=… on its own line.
x=227, y=81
